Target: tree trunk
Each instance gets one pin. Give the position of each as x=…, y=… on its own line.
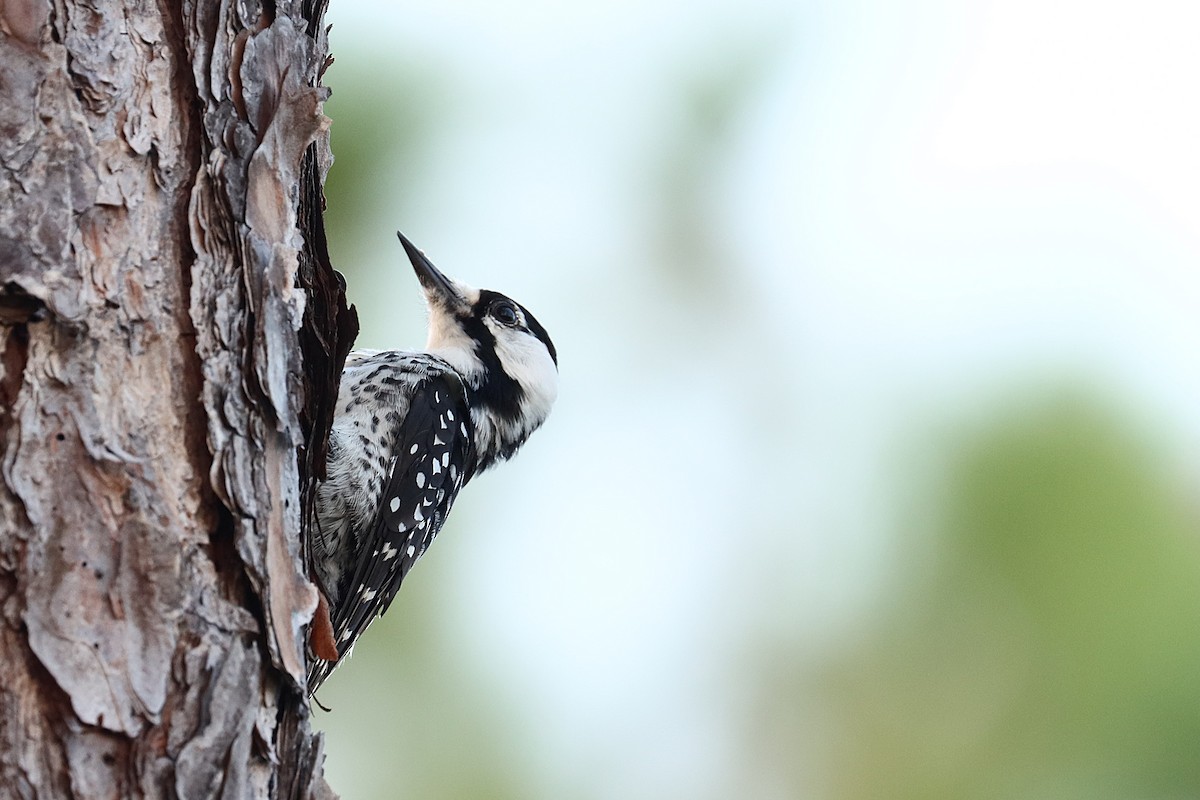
x=170, y=338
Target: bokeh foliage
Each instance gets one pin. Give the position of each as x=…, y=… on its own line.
x=1045, y=649
x=1035, y=636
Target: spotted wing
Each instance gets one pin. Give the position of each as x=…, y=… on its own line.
x=431, y=461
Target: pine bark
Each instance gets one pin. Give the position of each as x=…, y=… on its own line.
x=170, y=337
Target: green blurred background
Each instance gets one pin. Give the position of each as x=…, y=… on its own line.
x=874, y=467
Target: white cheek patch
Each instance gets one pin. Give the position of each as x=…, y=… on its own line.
x=527, y=361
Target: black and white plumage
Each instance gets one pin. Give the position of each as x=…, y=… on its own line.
x=410, y=430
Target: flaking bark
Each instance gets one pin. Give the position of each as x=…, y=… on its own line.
x=170, y=330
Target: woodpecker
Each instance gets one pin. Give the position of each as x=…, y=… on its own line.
x=410, y=430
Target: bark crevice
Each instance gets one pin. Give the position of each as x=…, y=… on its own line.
x=161, y=417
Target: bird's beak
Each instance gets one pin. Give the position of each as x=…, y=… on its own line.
x=438, y=288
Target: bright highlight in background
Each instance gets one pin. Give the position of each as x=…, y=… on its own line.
x=874, y=465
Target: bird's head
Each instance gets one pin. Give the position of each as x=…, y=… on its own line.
x=503, y=354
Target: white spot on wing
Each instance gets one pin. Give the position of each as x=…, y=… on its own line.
x=395, y=504
x=420, y=480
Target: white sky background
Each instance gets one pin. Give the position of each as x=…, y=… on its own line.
x=927, y=202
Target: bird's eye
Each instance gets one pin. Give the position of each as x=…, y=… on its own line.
x=505, y=313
